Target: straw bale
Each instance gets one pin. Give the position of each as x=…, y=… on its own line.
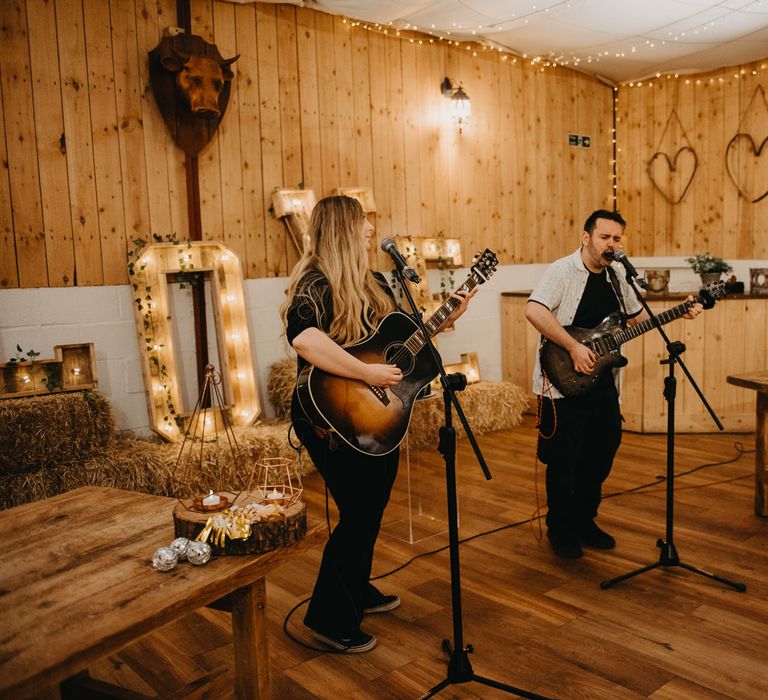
x=150, y=466
x=282, y=381
x=127, y=463
x=53, y=429
x=221, y=469
x=488, y=406
x=86, y=453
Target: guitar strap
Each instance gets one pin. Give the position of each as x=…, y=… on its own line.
x=617, y=290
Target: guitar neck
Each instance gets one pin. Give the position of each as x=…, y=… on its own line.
x=644, y=326
x=417, y=341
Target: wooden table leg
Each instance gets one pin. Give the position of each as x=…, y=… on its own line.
x=249, y=631
x=761, y=453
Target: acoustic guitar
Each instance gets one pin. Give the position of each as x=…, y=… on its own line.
x=605, y=340
x=375, y=419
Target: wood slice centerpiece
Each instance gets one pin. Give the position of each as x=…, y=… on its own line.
x=275, y=530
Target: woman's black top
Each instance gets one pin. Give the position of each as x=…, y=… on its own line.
x=312, y=306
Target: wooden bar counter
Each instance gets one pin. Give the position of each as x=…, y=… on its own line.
x=731, y=338
x=759, y=382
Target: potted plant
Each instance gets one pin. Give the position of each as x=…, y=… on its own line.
x=708, y=267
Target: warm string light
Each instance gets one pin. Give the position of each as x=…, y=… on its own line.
x=706, y=26
x=741, y=73
x=473, y=46
x=614, y=173
x=542, y=62
x=651, y=43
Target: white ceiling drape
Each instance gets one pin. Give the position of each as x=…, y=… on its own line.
x=620, y=40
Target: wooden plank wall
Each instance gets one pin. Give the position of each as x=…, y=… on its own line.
x=88, y=164
x=703, y=112
x=320, y=100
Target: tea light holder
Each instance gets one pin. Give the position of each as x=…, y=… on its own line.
x=758, y=281
x=279, y=481
x=657, y=280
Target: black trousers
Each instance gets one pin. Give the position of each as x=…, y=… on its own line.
x=360, y=486
x=579, y=455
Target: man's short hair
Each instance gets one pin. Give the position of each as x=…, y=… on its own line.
x=589, y=224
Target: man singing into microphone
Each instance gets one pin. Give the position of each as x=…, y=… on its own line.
x=579, y=435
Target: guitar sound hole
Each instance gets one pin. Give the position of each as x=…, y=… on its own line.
x=398, y=354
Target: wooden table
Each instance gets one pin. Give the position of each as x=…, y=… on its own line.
x=77, y=584
x=759, y=382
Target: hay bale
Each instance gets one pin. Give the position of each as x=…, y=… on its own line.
x=150, y=466
x=53, y=429
x=488, y=406
x=56, y=443
x=282, y=381
x=217, y=468
x=127, y=463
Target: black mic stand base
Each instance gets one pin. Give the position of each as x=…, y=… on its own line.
x=459, y=667
x=669, y=557
x=460, y=671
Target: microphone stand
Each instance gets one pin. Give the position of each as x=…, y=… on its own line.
x=668, y=555
x=459, y=666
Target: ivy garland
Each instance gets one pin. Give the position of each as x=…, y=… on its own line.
x=50, y=378
x=143, y=300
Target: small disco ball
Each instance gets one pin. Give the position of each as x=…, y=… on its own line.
x=164, y=559
x=198, y=553
x=180, y=545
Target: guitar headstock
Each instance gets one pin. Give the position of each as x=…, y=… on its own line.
x=711, y=293
x=484, y=264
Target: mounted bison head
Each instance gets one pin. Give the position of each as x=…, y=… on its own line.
x=191, y=82
x=200, y=79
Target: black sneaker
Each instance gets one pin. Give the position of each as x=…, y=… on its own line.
x=593, y=536
x=383, y=604
x=564, y=546
x=356, y=643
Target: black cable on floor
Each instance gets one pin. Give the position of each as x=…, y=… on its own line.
x=660, y=479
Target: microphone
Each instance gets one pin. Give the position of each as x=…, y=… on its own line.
x=389, y=246
x=620, y=256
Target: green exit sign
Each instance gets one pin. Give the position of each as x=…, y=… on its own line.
x=578, y=140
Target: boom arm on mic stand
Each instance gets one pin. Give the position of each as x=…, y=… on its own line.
x=389, y=246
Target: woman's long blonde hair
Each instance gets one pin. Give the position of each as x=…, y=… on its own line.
x=336, y=250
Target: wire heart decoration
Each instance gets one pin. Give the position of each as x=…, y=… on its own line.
x=685, y=158
x=743, y=144
x=734, y=146
x=672, y=166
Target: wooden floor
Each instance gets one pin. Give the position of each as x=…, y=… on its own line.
x=535, y=621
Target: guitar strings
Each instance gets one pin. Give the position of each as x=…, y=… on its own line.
x=404, y=353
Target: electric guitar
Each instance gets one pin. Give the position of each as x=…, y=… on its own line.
x=375, y=419
x=605, y=339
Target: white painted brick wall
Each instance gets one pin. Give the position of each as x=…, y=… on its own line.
x=42, y=318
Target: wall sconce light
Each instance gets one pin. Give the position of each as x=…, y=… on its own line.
x=460, y=107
